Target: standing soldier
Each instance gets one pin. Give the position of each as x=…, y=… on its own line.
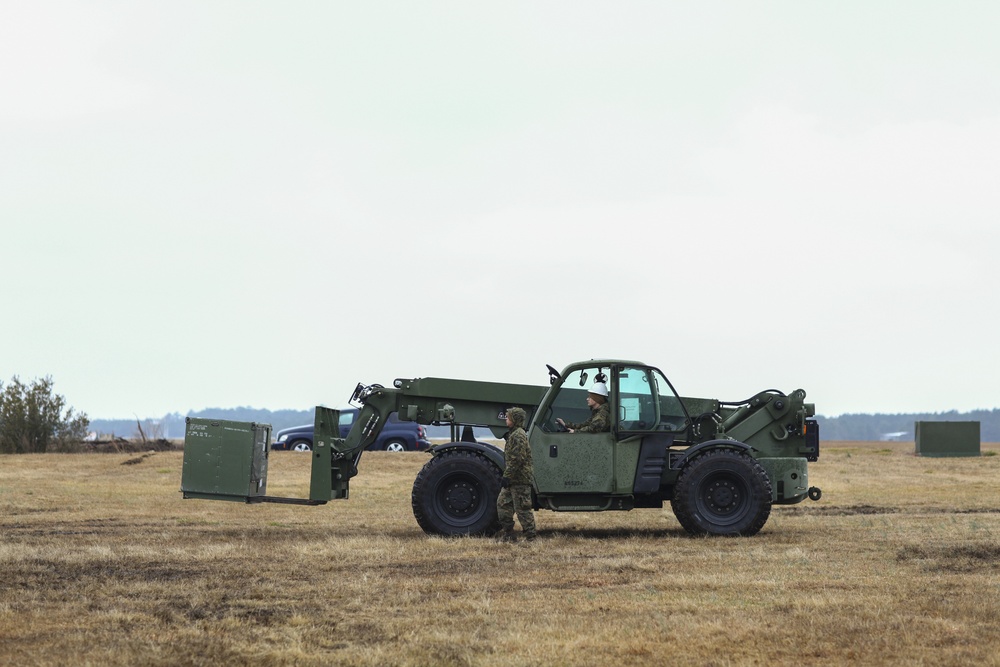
x=515, y=492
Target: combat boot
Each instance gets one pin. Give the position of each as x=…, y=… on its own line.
x=507, y=536
x=530, y=537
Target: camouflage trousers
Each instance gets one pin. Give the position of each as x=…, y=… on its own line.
x=516, y=499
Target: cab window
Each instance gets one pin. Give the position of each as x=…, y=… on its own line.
x=570, y=403
x=646, y=402
x=672, y=415
x=637, y=406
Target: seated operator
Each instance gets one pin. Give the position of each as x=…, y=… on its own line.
x=600, y=412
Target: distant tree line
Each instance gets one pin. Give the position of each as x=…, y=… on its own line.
x=172, y=426
x=845, y=427
x=884, y=427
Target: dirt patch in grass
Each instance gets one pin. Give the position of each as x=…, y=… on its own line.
x=962, y=558
x=125, y=446
x=857, y=510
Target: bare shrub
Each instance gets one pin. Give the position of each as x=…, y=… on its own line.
x=33, y=419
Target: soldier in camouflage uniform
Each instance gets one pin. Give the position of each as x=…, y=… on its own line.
x=600, y=412
x=518, y=477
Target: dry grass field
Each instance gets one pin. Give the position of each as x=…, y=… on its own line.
x=104, y=564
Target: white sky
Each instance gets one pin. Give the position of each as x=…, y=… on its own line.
x=219, y=204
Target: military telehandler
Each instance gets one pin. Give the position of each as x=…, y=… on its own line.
x=721, y=465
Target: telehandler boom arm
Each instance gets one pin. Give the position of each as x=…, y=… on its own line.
x=423, y=400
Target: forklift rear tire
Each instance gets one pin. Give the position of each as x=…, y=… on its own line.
x=722, y=492
x=455, y=493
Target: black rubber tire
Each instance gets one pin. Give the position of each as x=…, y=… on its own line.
x=300, y=446
x=455, y=493
x=722, y=492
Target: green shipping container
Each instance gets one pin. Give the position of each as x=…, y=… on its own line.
x=947, y=438
x=225, y=460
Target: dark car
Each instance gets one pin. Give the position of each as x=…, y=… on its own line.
x=396, y=436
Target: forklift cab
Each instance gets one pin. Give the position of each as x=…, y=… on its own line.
x=587, y=470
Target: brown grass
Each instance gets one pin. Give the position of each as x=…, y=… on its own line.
x=104, y=564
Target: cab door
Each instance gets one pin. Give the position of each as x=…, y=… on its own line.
x=571, y=463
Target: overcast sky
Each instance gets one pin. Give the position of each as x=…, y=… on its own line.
x=221, y=204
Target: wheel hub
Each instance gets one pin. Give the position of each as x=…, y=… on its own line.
x=460, y=498
x=722, y=496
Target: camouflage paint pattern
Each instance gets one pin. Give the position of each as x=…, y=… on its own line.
x=516, y=499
